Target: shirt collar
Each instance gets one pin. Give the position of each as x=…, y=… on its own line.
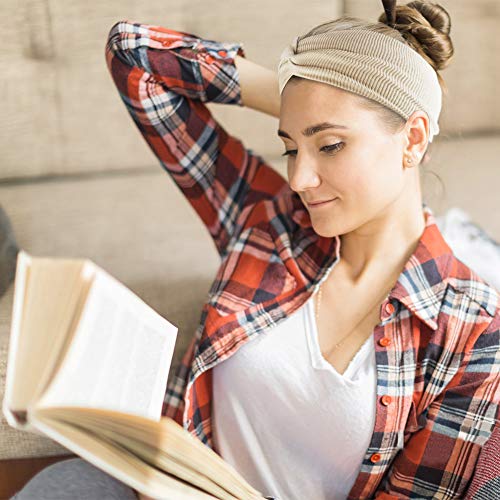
x=422, y=283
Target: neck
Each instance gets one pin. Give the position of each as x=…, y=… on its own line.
x=385, y=243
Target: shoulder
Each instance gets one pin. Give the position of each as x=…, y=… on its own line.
x=472, y=291
x=470, y=315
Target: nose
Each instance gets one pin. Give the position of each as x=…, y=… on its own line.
x=302, y=175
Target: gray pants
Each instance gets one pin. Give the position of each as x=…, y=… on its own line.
x=74, y=479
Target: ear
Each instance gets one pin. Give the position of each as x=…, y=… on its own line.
x=417, y=136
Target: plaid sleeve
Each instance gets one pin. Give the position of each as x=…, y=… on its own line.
x=438, y=460
x=486, y=480
x=164, y=77
x=173, y=401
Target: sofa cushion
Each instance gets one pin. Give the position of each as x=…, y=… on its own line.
x=139, y=228
x=63, y=112
x=14, y=443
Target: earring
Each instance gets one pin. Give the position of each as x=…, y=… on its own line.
x=409, y=159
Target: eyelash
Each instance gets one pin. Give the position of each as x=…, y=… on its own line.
x=331, y=147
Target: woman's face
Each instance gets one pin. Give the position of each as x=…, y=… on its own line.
x=357, y=163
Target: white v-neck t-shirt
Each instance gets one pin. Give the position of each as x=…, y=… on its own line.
x=286, y=420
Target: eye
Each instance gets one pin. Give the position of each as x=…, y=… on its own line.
x=330, y=148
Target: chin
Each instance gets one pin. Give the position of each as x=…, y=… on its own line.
x=325, y=230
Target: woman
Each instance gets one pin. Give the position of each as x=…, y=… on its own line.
x=344, y=352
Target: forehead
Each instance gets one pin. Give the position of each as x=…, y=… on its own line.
x=314, y=90
x=310, y=101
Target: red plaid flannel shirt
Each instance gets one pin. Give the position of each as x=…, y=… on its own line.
x=437, y=343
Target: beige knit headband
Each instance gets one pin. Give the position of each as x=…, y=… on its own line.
x=370, y=64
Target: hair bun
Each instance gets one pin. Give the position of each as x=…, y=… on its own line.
x=426, y=27
x=436, y=15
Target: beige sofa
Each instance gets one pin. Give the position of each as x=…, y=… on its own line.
x=77, y=179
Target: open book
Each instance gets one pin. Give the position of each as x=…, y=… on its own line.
x=88, y=366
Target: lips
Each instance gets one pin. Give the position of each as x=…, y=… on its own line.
x=320, y=203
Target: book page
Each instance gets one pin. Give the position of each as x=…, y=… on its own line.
x=164, y=444
x=120, y=355
x=119, y=462
x=47, y=293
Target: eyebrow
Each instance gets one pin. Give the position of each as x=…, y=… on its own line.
x=314, y=129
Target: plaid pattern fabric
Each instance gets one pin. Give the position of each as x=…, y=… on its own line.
x=485, y=484
x=437, y=344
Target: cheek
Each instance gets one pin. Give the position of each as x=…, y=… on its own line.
x=351, y=175
x=362, y=179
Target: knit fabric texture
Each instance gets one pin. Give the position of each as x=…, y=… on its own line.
x=370, y=64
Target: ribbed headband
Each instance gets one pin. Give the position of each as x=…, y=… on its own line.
x=370, y=64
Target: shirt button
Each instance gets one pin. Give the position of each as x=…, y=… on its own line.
x=386, y=400
x=222, y=53
x=384, y=341
x=389, y=308
x=209, y=58
x=375, y=457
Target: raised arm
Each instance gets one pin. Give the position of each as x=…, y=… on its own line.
x=259, y=86
x=164, y=77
